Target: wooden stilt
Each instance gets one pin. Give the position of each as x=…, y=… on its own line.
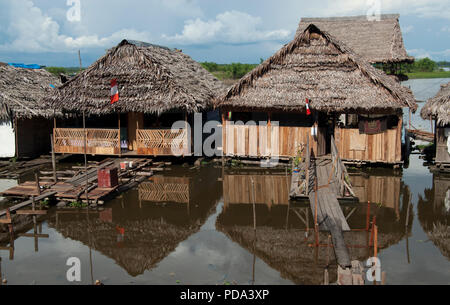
x=53, y=158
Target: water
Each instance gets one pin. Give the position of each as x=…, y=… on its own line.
x=197, y=227
x=423, y=89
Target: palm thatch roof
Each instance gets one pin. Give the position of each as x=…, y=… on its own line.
x=318, y=67
x=438, y=107
x=150, y=78
x=376, y=41
x=22, y=92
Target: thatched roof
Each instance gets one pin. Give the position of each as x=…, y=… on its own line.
x=317, y=66
x=150, y=78
x=376, y=41
x=438, y=107
x=22, y=92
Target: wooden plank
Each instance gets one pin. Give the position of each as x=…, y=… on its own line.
x=31, y=212
x=28, y=202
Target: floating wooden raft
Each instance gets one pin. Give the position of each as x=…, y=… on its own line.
x=75, y=187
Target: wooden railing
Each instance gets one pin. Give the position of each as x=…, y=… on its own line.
x=98, y=141
x=165, y=189
x=265, y=141
x=340, y=171
x=162, y=142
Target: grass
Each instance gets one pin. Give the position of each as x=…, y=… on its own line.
x=437, y=74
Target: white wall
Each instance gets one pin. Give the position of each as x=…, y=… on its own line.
x=7, y=140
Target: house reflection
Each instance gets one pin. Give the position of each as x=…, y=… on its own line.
x=434, y=213
x=146, y=224
x=284, y=234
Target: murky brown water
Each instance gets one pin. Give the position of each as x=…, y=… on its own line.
x=196, y=227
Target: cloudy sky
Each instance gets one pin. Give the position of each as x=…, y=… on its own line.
x=49, y=32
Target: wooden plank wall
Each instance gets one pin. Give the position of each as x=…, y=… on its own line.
x=442, y=155
x=265, y=141
x=385, y=147
x=269, y=189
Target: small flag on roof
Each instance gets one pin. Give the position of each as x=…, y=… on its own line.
x=114, y=91
x=308, y=111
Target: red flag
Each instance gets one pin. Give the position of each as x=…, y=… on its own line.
x=308, y=112
x=114, y=91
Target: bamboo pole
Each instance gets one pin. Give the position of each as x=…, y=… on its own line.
x=85, y=135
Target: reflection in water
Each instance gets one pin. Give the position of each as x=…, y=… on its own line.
x=434, y=213
x=172, y=228
x=145, y=225
x=284, y=231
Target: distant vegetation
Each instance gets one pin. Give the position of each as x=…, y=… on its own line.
x=228, y=71
x=421, y=68
x=64, y=70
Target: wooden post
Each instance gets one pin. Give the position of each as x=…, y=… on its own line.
x=269, y=132
x=11, y=235
x=53, y=158
x=223, y=138
x=120, y=145
x=38, y=187
x=16, y=130
x=409, y=118
x=33, y=208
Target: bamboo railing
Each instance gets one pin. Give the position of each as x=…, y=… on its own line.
x=162, y=142
x=98, y=141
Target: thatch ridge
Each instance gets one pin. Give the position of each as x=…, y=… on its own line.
x=151, y=79
x=376, y=41
x=317, y=66
x=22, y=92
x=438, y=107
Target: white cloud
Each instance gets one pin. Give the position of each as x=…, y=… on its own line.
x=30, y=30
x=232, y=27
x=421, y=8
x=435, y=55
x=407, y=29
x=445, y=29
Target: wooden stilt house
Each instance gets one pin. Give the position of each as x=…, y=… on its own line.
x=25, y=125
x=157, y=86
x=350, y=99
x=438, y=109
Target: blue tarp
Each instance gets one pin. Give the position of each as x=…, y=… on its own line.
x=19, y=65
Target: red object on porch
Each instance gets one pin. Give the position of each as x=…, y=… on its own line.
x=108, y=177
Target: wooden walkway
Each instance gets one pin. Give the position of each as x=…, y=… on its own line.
x=326, y=180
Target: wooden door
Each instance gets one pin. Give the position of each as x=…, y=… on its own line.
x=135, y=121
